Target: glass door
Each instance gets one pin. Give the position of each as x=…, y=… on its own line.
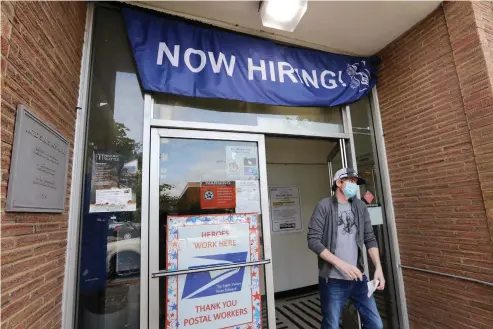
x=209, y=240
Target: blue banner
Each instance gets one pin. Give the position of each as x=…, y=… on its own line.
x=191, y=59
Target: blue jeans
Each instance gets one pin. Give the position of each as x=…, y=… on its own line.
x=333, y=296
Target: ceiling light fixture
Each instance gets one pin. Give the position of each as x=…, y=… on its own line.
x=282, y=14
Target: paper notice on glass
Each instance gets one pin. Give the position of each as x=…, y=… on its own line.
x=372, y=286
x=110, y=200
x=113, y=182
x=285, y=207
x=241, y=162
x=247, y=196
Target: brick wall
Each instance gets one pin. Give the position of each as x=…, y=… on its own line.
x=472, y=45
x=438, y=139
x=41, y=48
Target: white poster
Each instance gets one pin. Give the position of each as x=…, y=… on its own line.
x=242, y=162
x=247, y=196
x=285, y=205
x=116, y=199
x=228, y=298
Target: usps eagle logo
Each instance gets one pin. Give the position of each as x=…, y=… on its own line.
x=215, y=282
x=360, y=76
x=208, y=195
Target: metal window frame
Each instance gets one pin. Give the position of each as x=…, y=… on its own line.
x=145, y=213
x=151, y=236
x=73, y=231
x=389, y=209
x=195, y=125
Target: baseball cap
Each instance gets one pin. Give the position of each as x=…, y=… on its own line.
x=347, y=173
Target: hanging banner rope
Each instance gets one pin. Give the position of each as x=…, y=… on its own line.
x=186, y=58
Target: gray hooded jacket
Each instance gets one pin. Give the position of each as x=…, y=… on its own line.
x=322, y=231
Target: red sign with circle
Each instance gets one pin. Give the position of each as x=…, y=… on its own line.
x=217, y=195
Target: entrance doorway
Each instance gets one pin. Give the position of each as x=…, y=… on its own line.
x=202, y=179
x=301, y=168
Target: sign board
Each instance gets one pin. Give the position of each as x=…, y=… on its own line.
x=186, y=58
x=217, y=298
x=38, y=171
x=285, y=205
x=217, y=195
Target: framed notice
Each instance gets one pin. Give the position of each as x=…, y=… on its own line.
x=285, y=205
x=228, y=298
x=38, y=170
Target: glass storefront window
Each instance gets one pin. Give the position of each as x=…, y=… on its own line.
x=109, y=271
x=266, y=118
x=108, y=295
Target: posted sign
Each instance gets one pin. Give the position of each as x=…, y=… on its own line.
x=218, y=298
x=217, y=195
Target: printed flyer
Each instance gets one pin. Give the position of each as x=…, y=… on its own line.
x=111, y=185
x=217, y=298
x=247, y=196
x=285, y=207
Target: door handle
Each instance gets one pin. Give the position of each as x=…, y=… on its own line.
x=166, y=273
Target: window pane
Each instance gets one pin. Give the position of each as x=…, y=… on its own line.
x=360, y=115
x=109, y=279
x=200, y=177
x=199, y=180
x=371, y=194
x=281, y=119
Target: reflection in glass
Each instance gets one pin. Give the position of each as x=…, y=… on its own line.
x=109, y=276
x=281, y=119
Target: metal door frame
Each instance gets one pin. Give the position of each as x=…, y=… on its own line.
x=154, y=272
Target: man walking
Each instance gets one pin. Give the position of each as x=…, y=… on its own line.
x=338, y=229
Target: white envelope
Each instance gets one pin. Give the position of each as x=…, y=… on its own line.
x=372, y=286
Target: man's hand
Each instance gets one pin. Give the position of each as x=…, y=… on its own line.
x=379, y=276
x=350, y=271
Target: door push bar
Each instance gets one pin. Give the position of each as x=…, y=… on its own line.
x=165, y=273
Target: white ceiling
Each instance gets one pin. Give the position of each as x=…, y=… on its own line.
x=350, y=27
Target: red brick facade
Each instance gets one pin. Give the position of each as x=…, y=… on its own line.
x=472, y=45
x=40, y=65
x=436, y=101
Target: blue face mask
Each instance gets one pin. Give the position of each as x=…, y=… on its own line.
x=350, y=189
